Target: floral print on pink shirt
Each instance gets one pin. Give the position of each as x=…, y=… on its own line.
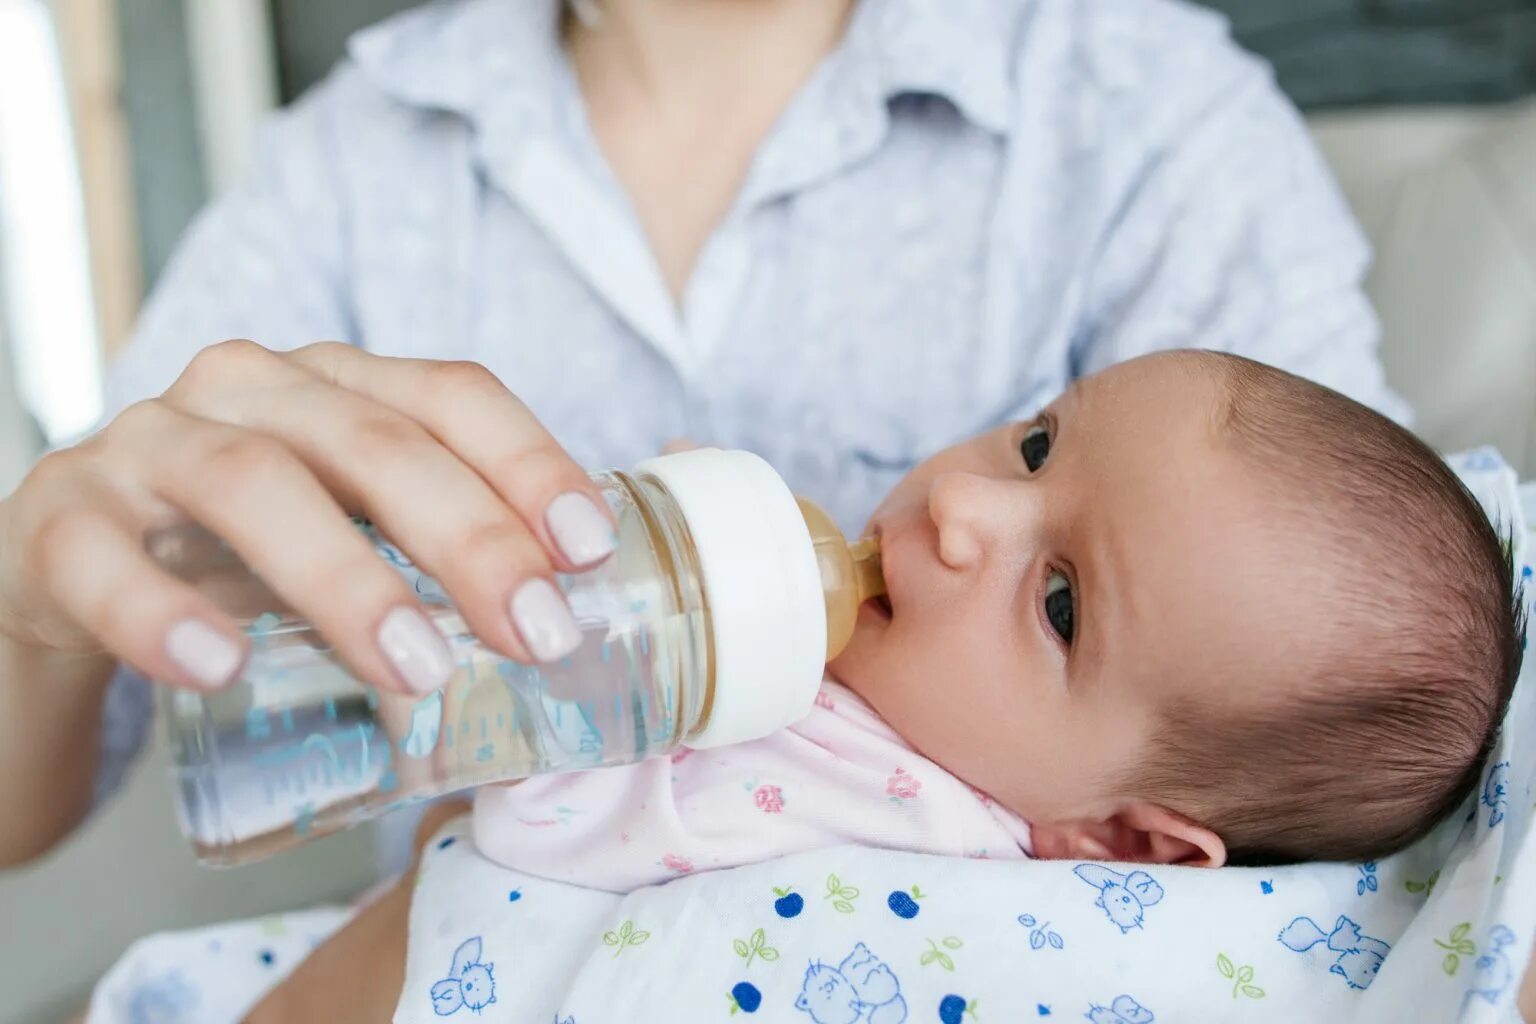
x=902, y=786
x=769, y=799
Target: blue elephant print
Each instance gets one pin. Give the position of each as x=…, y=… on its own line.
x=1357, y=957
x=860, y=990
x=1124, y=898
x=469, y=985
x=1124, y=1010
x=1492, y=971
x=1496, y=792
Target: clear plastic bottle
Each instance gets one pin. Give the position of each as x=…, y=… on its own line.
x=710, y=624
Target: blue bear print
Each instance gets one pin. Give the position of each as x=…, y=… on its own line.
x=860, y=989
x=1493, y=971
x=1124, y=898
x=1496, y=792
x=1358, y=957
x=1124, y=1010
x=469, y=985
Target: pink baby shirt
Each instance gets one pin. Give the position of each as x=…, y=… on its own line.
x=838, y=776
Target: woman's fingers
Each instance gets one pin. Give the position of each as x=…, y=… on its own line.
x=259, y=496
x=426, y=499
x=97, y=572
x=465, y=407
x=269, y=451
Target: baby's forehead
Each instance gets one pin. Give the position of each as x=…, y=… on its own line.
x=1225, y=608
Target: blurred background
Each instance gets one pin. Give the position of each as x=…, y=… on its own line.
x=120, y=118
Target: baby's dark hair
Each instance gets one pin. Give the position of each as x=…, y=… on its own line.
x=1403, y=690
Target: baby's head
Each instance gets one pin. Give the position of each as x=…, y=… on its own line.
x=1199, y=611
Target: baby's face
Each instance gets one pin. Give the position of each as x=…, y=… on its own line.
x=1055, y=584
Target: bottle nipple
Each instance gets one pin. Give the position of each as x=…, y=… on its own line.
x=850, y=574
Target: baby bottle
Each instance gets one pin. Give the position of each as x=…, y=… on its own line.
x=710, y=624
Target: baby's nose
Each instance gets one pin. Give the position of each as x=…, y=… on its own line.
x=974, y=515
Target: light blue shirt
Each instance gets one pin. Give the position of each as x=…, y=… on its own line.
x=969, y=204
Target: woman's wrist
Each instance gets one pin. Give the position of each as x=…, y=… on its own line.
x=50, y=732
x=59, y=678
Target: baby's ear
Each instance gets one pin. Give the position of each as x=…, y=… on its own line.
x=1148, y=833
x=1138, y=832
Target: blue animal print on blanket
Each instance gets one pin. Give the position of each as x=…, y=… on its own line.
x=1496, y=792
x=1358, y=957
x=1493, y=971
x=469, y=985
x=1124, y=898
x=1124, y=1010
x=167, y=999
x=860, y=990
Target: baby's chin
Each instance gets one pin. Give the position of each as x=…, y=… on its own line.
x=856, y=667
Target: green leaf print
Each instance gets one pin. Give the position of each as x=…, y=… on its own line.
x=1456, y=946
x=755, y=948
x=1241, y=976
x=627, y=935
x=842, y=896
x=935, y=955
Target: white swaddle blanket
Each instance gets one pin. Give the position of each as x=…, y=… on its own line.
x=854, y=935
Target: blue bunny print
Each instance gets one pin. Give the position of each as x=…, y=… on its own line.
x=860, y=990
x=1493, y=971
x=1358, y=957
x=469, y=985
x=1124, y=1010
x=1123, y=898
x=1496, y=792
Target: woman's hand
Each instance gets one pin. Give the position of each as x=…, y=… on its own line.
x=271, y=452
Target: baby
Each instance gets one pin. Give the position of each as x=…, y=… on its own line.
x=1199, y=611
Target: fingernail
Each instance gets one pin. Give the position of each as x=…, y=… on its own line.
x=584, y=534
x=203, y=652
x=416, y=649
x=544, y=620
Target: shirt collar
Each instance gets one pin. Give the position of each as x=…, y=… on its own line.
x=497, y=60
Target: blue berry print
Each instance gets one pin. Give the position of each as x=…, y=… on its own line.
x=904, y=905
x=788, y=904
x=745, y=997
x=951, y=1009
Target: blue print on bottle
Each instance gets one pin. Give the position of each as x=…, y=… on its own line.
x=426, y=722
x=1492, y=971
x=1124, y=1010
x=469, y=985
x=860, y=990
x=1123, y=898
x=1367, y=881
x=1496, y=792
x=1358, y=957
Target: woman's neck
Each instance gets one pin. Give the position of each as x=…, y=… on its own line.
x=687, y=58
x=681, y=93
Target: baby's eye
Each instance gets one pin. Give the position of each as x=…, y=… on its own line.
x=1035, y=447
x=1058, y=605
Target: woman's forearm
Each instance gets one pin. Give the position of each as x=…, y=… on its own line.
x=50, y=725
